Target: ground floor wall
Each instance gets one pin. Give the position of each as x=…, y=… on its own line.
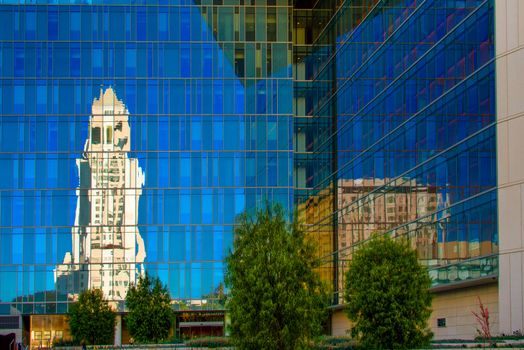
x=43, y=331
x=452, y=310
x=509, y=39
x=452, y=316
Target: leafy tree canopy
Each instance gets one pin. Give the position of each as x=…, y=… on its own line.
x=150, y=315
x=277, y=300
x=387, y=295
x=91, y=319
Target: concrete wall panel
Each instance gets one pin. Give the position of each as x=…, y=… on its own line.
x=509, y=33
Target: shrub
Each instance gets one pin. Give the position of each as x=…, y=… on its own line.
x=150, y=315
x=387, y=295
x=335, y=343
x=91, y=319
x=209, y=342
x=277, y=301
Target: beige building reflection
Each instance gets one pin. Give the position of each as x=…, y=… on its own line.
x=367, y=207
x=107, y=249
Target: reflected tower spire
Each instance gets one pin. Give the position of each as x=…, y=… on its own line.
x=107, y=248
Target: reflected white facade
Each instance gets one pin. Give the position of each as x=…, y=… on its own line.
x=107, y=248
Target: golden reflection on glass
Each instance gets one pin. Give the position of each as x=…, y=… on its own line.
x=47, y=330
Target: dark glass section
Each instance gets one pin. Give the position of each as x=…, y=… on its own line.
x=95, y=135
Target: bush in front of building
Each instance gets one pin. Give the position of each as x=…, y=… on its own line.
x=91, y=319
x=150, y=314
x=57, y=343
x=276, y=299
x=387, y=296
x=335, y=343
x=209, y=342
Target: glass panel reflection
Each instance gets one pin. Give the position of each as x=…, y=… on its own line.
x=395, y=132
x=148, y=174
x=107, y=245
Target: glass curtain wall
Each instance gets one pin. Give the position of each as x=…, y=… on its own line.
x=402, y=132
x=131, y=135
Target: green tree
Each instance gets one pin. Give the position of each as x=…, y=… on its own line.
x=91, y=319
x=387, y=295
x=150, y=314
x=276, y=300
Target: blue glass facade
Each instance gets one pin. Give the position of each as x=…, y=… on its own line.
x=207, y=87
x=369, y=116
x=400, y=133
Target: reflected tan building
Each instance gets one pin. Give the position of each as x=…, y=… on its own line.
x=366, y=208
x=108, y=250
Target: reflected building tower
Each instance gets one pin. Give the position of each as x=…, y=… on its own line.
x=107, y=249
